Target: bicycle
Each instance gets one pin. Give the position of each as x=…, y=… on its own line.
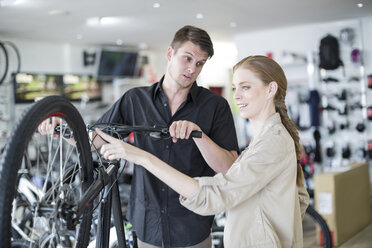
x=50, y=186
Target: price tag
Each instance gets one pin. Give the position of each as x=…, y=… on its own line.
x=325, y=203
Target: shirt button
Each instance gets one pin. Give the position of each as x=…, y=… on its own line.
x=163, y=211
x=165, y=104
x=163, y=189
x=167, y=146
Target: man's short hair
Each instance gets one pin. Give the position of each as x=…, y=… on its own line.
x=196, y=35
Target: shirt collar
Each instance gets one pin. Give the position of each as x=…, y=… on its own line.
x=192, y=93
x=272, y=120
x=158, y=87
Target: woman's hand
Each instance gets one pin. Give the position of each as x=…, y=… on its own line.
x=118, y=149
x=182, y=130
x=115, y=149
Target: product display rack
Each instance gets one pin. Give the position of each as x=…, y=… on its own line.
x=345, y=127
x=344, y=119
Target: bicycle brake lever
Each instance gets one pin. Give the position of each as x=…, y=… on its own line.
x=163, y=133
x=155, y=135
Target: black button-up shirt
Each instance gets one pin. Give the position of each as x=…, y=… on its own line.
x=154, y=209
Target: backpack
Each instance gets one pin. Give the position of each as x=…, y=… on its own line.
x=329, y=53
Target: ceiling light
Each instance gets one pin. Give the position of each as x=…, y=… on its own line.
x=108, y=20
x=93, y=21
x=233, y=24
x=79, y=36
x=156, y=5
x=19, y=2
x=360, y=5
x=119, y=42
x=199, y=16
x=102, y=21
x=58, y=12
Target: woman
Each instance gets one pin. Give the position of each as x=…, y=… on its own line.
x=259, y=192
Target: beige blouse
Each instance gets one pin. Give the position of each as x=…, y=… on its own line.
x=264, y=207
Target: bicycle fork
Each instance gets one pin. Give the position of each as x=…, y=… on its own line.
x=111, y=200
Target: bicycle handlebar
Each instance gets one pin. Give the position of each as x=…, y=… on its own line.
x=124, y=130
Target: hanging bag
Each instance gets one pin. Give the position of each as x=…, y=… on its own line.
x=329, y=53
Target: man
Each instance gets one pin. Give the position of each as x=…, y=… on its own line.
x=177, y=102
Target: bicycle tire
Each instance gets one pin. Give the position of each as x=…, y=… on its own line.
x=17, y=144
x=327, y=238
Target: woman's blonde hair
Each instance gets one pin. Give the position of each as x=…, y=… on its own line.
x=268, y=71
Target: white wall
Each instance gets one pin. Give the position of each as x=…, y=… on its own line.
x=217, y=71
x=47, y=57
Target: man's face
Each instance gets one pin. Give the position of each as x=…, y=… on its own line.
x=185, y=64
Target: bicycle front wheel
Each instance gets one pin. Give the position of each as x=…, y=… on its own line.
x=42, y=177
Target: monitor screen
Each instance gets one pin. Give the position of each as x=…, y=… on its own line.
x=81, y=87
x=28, y=87
x=114, y=64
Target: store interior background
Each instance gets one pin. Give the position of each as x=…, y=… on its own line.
x=294, y=46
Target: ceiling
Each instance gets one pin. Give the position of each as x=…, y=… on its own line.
x=136, y=23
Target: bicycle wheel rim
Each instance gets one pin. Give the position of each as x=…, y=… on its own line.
x=71, y=165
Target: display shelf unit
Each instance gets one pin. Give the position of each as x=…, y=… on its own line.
x=345, y=127
x=344, y=122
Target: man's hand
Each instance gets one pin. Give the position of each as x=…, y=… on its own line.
x=218, y=158
x=115, y=149
x=47, y=126
x=182, y=130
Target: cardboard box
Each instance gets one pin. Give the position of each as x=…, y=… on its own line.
x=343, y=199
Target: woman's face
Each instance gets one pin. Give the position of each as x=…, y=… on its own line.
x=250, y=93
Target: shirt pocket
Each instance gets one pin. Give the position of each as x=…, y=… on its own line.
x=185, y=157
x=264, y=232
